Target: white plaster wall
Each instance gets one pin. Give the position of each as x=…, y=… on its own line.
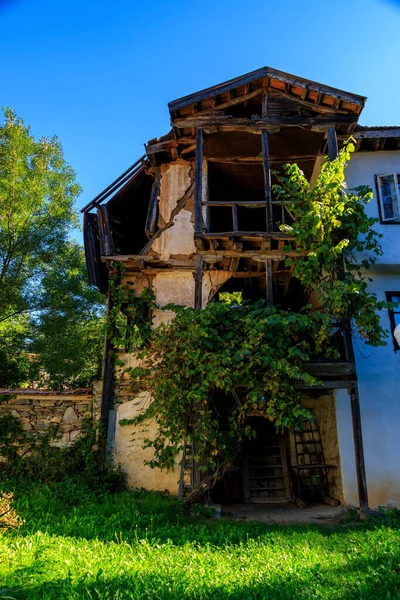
x=378, y=369
x=361, y=170
x=378, y=372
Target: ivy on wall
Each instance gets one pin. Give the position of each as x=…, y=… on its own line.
x=207, y=370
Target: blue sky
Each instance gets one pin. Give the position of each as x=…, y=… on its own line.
x=99, y=74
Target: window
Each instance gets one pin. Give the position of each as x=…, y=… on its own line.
x=394, y=314
x=389, y=197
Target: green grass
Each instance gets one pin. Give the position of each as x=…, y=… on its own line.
x=139, y=545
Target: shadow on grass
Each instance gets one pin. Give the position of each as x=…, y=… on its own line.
x=130, y=516
x=304, y=584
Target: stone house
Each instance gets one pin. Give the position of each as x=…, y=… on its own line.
x=195, y=216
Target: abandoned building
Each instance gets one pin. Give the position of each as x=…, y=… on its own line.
x=196, y=216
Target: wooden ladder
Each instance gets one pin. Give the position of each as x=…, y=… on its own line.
x=186, y=475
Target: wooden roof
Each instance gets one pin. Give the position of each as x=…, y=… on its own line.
x=310, y=92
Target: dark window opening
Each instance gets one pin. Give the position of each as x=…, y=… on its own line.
x=394, y=315
x=251, y=289
x=127, y=212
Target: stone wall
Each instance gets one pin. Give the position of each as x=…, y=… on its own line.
x=39, y=409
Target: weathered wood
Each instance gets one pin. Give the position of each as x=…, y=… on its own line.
x=258, y=255
x=231, y=102
x=164, y=146
x=265, y=72
x=198, y=283
x=312, y=105
x=235, y=217
x=275, y=235
x=152, y=213
x=92, y=251
x=226, y=121
x=247, y=203
x=268, y=278
x=105, y=233
x=267, y=180
x=325, y=369
x=259, y=159
x=198, y=189
x=333, y=150
x=365, y=134
x=107, y=395
x=204, y=196
x=359, y=450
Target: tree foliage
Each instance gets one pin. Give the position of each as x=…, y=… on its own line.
x=46, y=307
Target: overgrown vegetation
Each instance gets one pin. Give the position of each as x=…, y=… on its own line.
x=50, y=318
x=32, y=457
x=206, y=371
x=134, y=545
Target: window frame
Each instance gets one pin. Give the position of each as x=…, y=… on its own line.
x=393, y=220
x=392, y=313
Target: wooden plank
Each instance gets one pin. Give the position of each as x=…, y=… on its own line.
x=312, y=105
x=359, y=450
x=331, y=369
x=204, y=196
x=333, y=150
x=198, y=189
x=164, y=146
x=257, y=255
x=365, y=134
x=231, y=102
x=226, y=121
x=105, y=233
x=268, y=277
x=267, y=180
x=198, y=283
x=107, y=395
x=247, y=203
x=152, y=212
x=235, y=217
x=275, y=235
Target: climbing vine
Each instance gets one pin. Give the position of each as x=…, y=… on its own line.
x=209, y=369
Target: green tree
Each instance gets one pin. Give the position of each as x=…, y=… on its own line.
x=46, y=306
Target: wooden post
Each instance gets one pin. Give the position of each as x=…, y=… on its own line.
x=268, y=197
x=267, y=180
x=152, y=213
x=359, y=450
x=268, y=278
x=333, y=149
x=198, y=282
x=198, y=187
x=106, y=395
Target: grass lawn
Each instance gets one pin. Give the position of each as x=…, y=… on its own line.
x=75, y=544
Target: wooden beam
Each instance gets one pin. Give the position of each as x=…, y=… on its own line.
x=152, y=213
x=226, y=122
x=327, y=110
x=333, y=150
x=198, y=189
x=231, y=102
x=105, y=233
x=164, y=146
x=257, y=255
x=359, y=449
x=267, y=180
x=268, y=277
x=198, y=283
